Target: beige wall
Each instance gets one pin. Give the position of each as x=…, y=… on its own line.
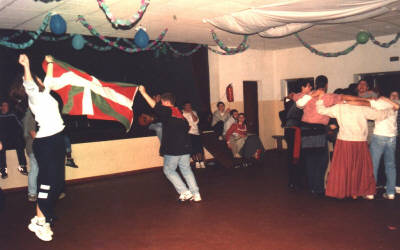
x=269, y=68
x=99, y=158
x=368, y=58
x=252, y=65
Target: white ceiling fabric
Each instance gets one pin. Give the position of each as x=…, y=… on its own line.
x=287, y=17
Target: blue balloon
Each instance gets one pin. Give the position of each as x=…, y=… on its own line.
x=58, y=25
x=141, y=39
x=78, y=42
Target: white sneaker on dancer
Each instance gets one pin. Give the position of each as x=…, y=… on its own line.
x=196, y=198
x=388, y=196
x=185, y=196
x=198, y=164
x=397, y=190
x=41, y=228
x=202, y=165
x=369, y=197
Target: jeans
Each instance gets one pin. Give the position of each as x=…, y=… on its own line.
x=33, y=174
x=171, y=162
x=157, y=127
x=67, y=141
x=387, y=146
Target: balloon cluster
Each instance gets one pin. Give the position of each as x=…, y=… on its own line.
x=58, y=27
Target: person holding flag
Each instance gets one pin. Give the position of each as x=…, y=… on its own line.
x=48, y=146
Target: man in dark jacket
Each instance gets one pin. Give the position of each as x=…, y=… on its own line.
x=175, y=145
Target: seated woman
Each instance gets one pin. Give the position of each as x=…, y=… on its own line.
x=241, y=143
x=236, y=136
x=220, y=116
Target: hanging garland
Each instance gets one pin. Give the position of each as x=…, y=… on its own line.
x=130, y=43
x=52, y=38
x=156, y=45
x=189, y=53
x=384, y=45
x=35, y=36
x=12, y=36
x=326, y=54
x=82, y=20
x=100, y=48
x=228, y=51
x=124, y=23
x=361, y=38
x=242, y=46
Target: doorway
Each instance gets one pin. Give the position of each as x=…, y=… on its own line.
x=250, y=97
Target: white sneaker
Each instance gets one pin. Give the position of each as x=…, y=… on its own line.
x=369, y=197
x=220, y=138
x=42, y=230
x=198, y=164
x=388, y=196
x=196, y=198
x=397, y=190
x=202, y=165
x=185, y=196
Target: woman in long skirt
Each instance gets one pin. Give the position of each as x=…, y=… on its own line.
x=351, y=171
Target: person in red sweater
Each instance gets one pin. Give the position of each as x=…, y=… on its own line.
x=236, y=135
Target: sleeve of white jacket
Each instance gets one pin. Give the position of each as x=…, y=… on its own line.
x=374, y=114
x=328, y=111
x=303, y=101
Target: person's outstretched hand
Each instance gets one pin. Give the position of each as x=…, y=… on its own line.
x=24, y=60
x=49, y=58
x=142, y=89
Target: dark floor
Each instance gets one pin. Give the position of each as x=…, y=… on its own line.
x=247, y=208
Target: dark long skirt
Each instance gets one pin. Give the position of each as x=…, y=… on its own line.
x=351, y=172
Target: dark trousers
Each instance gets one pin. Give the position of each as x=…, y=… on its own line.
x=219, y=128
x=316, y=161
x=295, y=170
x=50, y=155
x=19, y=146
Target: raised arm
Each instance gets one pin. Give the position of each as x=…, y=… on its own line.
x=394, y=104
x=149, y=100
x=24, y=61
x=354, y=98
x=49, y=59
x=328, y=111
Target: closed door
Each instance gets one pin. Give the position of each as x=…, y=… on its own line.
x=250, y=96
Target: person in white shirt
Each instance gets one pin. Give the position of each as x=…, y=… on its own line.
x=351, y=172
x=232, y=119
x=219, y=117
x=48, y=147
x=383, y=142
x=197, y=147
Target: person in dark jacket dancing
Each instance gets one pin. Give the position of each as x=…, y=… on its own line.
x=175, y=145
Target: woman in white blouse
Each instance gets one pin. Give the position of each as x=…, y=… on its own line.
x=197, y=147
x=48, y=146
x=351, y=172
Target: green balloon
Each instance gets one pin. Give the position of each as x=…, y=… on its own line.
x=362, y=37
